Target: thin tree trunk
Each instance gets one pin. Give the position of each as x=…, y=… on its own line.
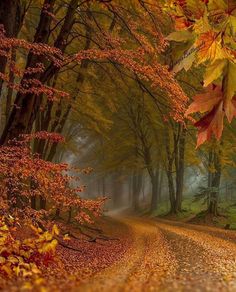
x=10, y=19
x=213, y=206
x=155, y=188
x=180, y=170
x=137, y=185
x=169, y=173
x=42, y=203
x=69, y=215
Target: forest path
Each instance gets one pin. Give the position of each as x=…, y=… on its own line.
x=169, y=256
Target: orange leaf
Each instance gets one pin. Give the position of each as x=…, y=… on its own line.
x=206, y=101
x=211, y=123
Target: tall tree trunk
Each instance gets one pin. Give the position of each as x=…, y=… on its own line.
x=160, y=185
x=10, y=19
x=69, y=215
x=155, y=187
x=169, y=174
x=214, y=194
x=42, y=203
x=117, y=191
x=136, y=188
x=210, y=175
x=180, y=169
x=171, y=188
x=20, y=116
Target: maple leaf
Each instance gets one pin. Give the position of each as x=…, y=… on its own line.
x=211, y=123
x=181, y=23
x=216, y=106
x=202, y=24
x=206, y=101
x=184, y=63
x=229, y=91
x=214, y=71
x=210, y=48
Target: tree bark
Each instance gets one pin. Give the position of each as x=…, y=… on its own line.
x=10, y=19
x=214, y=194
x=20, y=116
x=136, y=188
x=180, y=169
x=169, y=174
x=155, y=180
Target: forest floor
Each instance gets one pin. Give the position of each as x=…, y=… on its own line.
x=195, y=212
x=142, y=254
x=170, y=256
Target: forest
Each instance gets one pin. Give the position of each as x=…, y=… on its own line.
x=117, y=145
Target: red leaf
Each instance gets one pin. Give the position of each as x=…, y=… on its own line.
x=206, y=101
x=230, y=109
x=211, y=123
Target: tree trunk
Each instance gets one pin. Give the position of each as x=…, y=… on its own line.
x=42, y=203
x=171, y=191
x=214, y=195
x=160, y=185
x=169, y=173
x=137, y=185
x=57, y=214
x=10, y=19
x=20, y=116
x=180, y=169
x=155, y=188
x=69, y=215
x=33, y=202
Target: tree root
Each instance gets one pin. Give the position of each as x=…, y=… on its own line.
x=69, y=247
x=105, y=238
x=91, y=238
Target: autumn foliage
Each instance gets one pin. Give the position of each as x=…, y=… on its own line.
x=208, y=30
x=25, y=175
x=22, y=258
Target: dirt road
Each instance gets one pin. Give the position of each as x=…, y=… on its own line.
x=168, y=256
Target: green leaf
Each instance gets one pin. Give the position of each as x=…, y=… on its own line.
x=184, y=63
x=214, y=71
x=180, y=36
x=232, y=23
x=230, y=87
x=216, y=5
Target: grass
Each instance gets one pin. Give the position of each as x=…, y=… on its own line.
x=196, y=210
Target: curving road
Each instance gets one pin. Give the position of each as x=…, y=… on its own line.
x=170, y=256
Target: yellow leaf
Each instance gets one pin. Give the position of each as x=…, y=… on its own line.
x=66, y=237
x=27, y=286
x=17, y=270
x=47, y=236
x=4, y=228
x=214, y=71
x=202, y=25
x=39, y=281
x=2, y=260
x=209, y=48
x=55, y=229
x=49, y=246
x=13, y=260
x=7, y=270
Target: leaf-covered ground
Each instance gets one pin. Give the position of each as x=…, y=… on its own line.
x=168, y=256
x=88, y=250
x=138, y=254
